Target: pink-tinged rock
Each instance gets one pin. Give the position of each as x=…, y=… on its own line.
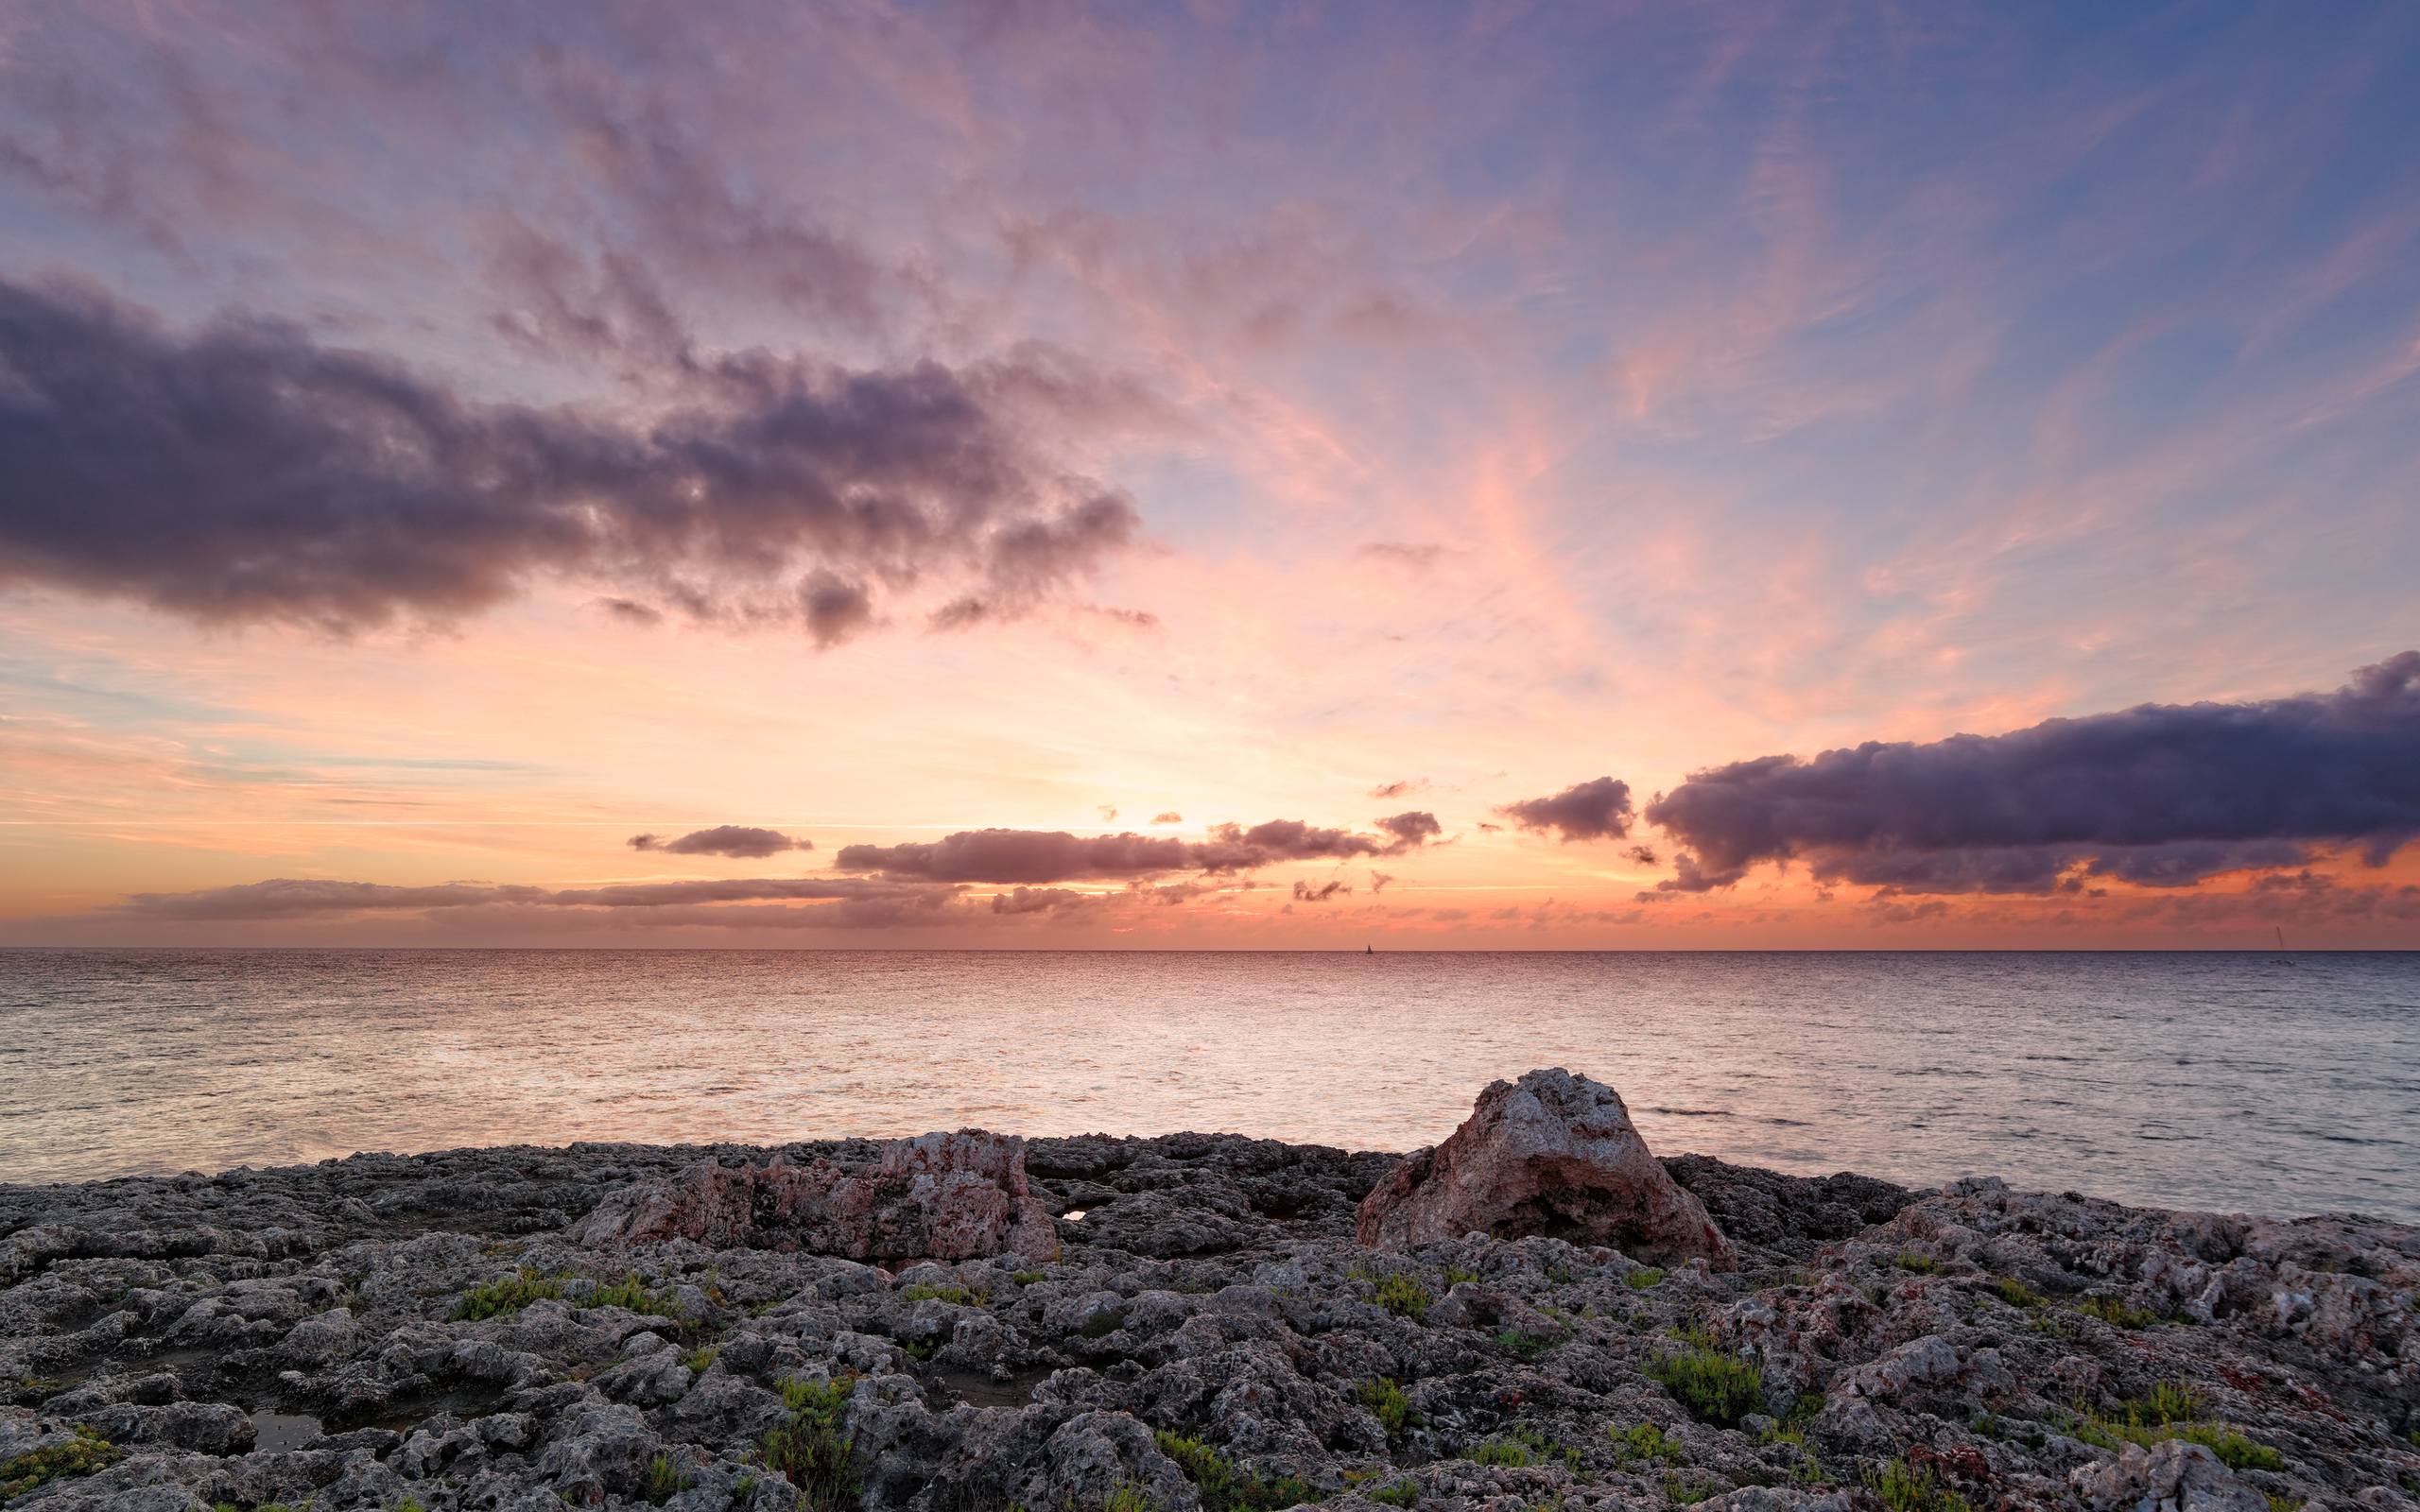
x=1551, y=1154
x=937, y=1197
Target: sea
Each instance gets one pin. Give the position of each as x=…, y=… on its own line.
x=2280, y=1085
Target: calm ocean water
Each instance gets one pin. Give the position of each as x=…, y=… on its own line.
x=2202, y=1081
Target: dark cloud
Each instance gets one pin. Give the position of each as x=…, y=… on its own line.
x=1644, y=855
x=246, y=472
x=1306, y=893
x=1378, y=881
x=1020, y=855
x=1233, y=848
x=1168, y=816
x=296, y=898
x=1400, y=789
x=1410, y=830
x=1039, y=901
x=736, y=840
x=2160, y=795
x=1597, y=809
x=836, y=608
x=1042, y=856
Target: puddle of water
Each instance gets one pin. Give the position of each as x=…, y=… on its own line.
x=403, y=1414
x=283, y=1430
x=979, y=1388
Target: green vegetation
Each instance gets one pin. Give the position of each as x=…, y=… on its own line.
x=1226, y=1486
x=83, y=1453
x=507, y=1293
x=1642, y=1277
x=1027, y=1278
x=1127, y=1497
x=1403, y=1296
x=2173, y=1410
x=1524, y=1346
x=1388, y=1403
x=1509, y=1452
x=1921, y=1264
x=1905, y=1488
x=954, y=1295
x=2116, y=1311
x=1681, y=1493
x=2282, y=1502
x=2016, y=1293
x=1402, y=1494
x=1715, y=1387
x=810, y=1450
x=663, y=1481
x=1645, y=1443
x=698, y=1359
x=1455, y=1275
x=30, y=1390
x=631, y=1294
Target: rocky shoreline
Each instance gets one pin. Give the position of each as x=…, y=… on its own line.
x=1191, y=1321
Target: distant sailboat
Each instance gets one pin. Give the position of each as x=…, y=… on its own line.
x=1369, y=950
x=2280, y=959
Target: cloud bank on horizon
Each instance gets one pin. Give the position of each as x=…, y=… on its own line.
x=439, y=444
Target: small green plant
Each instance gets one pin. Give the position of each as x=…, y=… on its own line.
x=84, y=1452
x=1455, y=1275
x=1905, y=1488
x=30, y=1390
x=954, y=1295
x=1027, y=1278
x=411, y=1504
x=663, y=1481
x=1681, y=1493
x=1125, y=1496
x=2173, y=1410
x=810, y=1450
x=1642, y=1277
x=1524, y=1346
x=1402, y=1494
x=1643, y=1443
x=698, y=1359
x=1717, y=1388
x=1403, y=1296
x=2283, y=1501
x=1388, y=1403
x=1224, y=1486
x=1908, y=1260
x=2016, y=1293
x=1509, y=1453
x=2116, y=1311
x=507, y=1294
x=631, y=1294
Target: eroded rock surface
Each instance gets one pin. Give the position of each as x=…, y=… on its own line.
x=1553, y=1155
x=440, y=1331
x=937, y=1197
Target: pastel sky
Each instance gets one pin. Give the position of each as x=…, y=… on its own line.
x=1221, y=475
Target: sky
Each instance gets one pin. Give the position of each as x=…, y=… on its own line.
x=1217, y=475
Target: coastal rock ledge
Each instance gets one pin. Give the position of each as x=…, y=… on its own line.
x=937, y=1197
x=631, y=1326
x=1552, y=1155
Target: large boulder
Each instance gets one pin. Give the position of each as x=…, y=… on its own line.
x=1551, y=1154
x=937, y=1197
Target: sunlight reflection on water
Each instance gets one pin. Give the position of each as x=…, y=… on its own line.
x=2211, y=1080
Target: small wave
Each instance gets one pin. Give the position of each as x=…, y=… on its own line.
x=1693, y=1112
